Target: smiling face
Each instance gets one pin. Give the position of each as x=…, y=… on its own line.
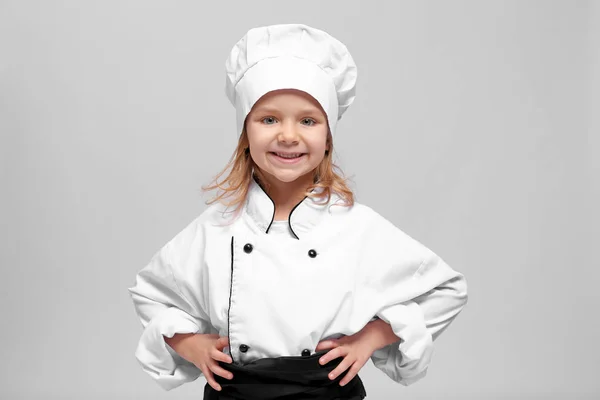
x=287, y=123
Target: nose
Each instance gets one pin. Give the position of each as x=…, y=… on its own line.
x=288, y=133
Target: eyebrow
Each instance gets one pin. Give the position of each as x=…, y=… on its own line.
x=275, y=110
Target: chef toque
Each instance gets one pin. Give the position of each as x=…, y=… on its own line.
x=290, y=56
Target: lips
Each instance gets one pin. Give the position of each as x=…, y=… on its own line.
x=285, y=160
x=288, y=155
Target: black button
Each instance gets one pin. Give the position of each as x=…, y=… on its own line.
x=312, y=253
x=248, y=248
x=243, y=348
x=305, y=353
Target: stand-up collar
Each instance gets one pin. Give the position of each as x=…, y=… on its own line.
x=303, y=217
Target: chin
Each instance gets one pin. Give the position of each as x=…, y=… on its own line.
x=285, y=177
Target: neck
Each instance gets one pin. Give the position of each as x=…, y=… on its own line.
x=286, y=195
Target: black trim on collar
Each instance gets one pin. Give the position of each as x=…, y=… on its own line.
x=267, y=194
x=273, y=217
x=290, y=217
x=306, y=213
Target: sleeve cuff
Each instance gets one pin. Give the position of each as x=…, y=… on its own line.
x=158, y=359
x=405, y=361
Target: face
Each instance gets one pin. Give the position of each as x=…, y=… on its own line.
x=287, y=123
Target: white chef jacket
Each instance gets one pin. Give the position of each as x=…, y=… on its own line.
x=279, y=294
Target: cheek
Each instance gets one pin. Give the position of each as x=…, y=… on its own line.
x=258, y=154
x=257, y=144
x=317, y=153
x=258, y=151
x=318, y=146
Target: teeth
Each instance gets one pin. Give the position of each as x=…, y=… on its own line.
x=289, y=155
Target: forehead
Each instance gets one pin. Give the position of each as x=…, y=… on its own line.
x=287, y=100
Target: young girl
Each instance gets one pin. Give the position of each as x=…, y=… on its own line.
x=290, y=287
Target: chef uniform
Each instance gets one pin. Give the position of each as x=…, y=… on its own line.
x=324, y=273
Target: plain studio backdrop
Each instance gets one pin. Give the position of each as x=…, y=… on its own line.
x=475, y=130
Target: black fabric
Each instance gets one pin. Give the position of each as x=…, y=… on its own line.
x=285, y=378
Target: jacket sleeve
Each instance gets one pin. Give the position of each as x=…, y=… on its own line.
x=418, y=322
x=419, y=295
x=163, y=310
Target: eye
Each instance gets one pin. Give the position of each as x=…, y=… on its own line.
x=311, y=120
x=265, y=118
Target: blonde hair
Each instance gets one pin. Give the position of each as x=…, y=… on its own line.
x=237, y=182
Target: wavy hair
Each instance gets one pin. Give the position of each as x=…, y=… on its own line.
x=237, y=182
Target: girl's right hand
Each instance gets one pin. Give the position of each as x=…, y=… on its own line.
x=203, y=350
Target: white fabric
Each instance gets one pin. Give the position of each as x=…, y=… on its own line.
x=281, y=228
x=290, y=56
x=278, y=300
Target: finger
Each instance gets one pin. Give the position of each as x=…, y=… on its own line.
x=218, y=355
x=217, y=369
x=352, y=372
x=327, y=344
x=332, y=355
x=222, y=342
x=210, y=379
x=344, y=365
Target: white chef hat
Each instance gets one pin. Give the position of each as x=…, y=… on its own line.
x=290, y=56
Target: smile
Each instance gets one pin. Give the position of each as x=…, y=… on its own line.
x=295, y=157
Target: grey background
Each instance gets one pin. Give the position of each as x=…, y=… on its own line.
x=475, y=130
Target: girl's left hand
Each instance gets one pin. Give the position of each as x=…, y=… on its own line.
x=356, y=350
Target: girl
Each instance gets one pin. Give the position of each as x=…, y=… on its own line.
x=296, y=288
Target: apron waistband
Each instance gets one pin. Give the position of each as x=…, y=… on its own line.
x=288, y=377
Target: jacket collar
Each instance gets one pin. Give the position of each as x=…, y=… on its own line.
x=304, y=216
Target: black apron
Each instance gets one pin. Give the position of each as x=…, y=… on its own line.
x=285, y=378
